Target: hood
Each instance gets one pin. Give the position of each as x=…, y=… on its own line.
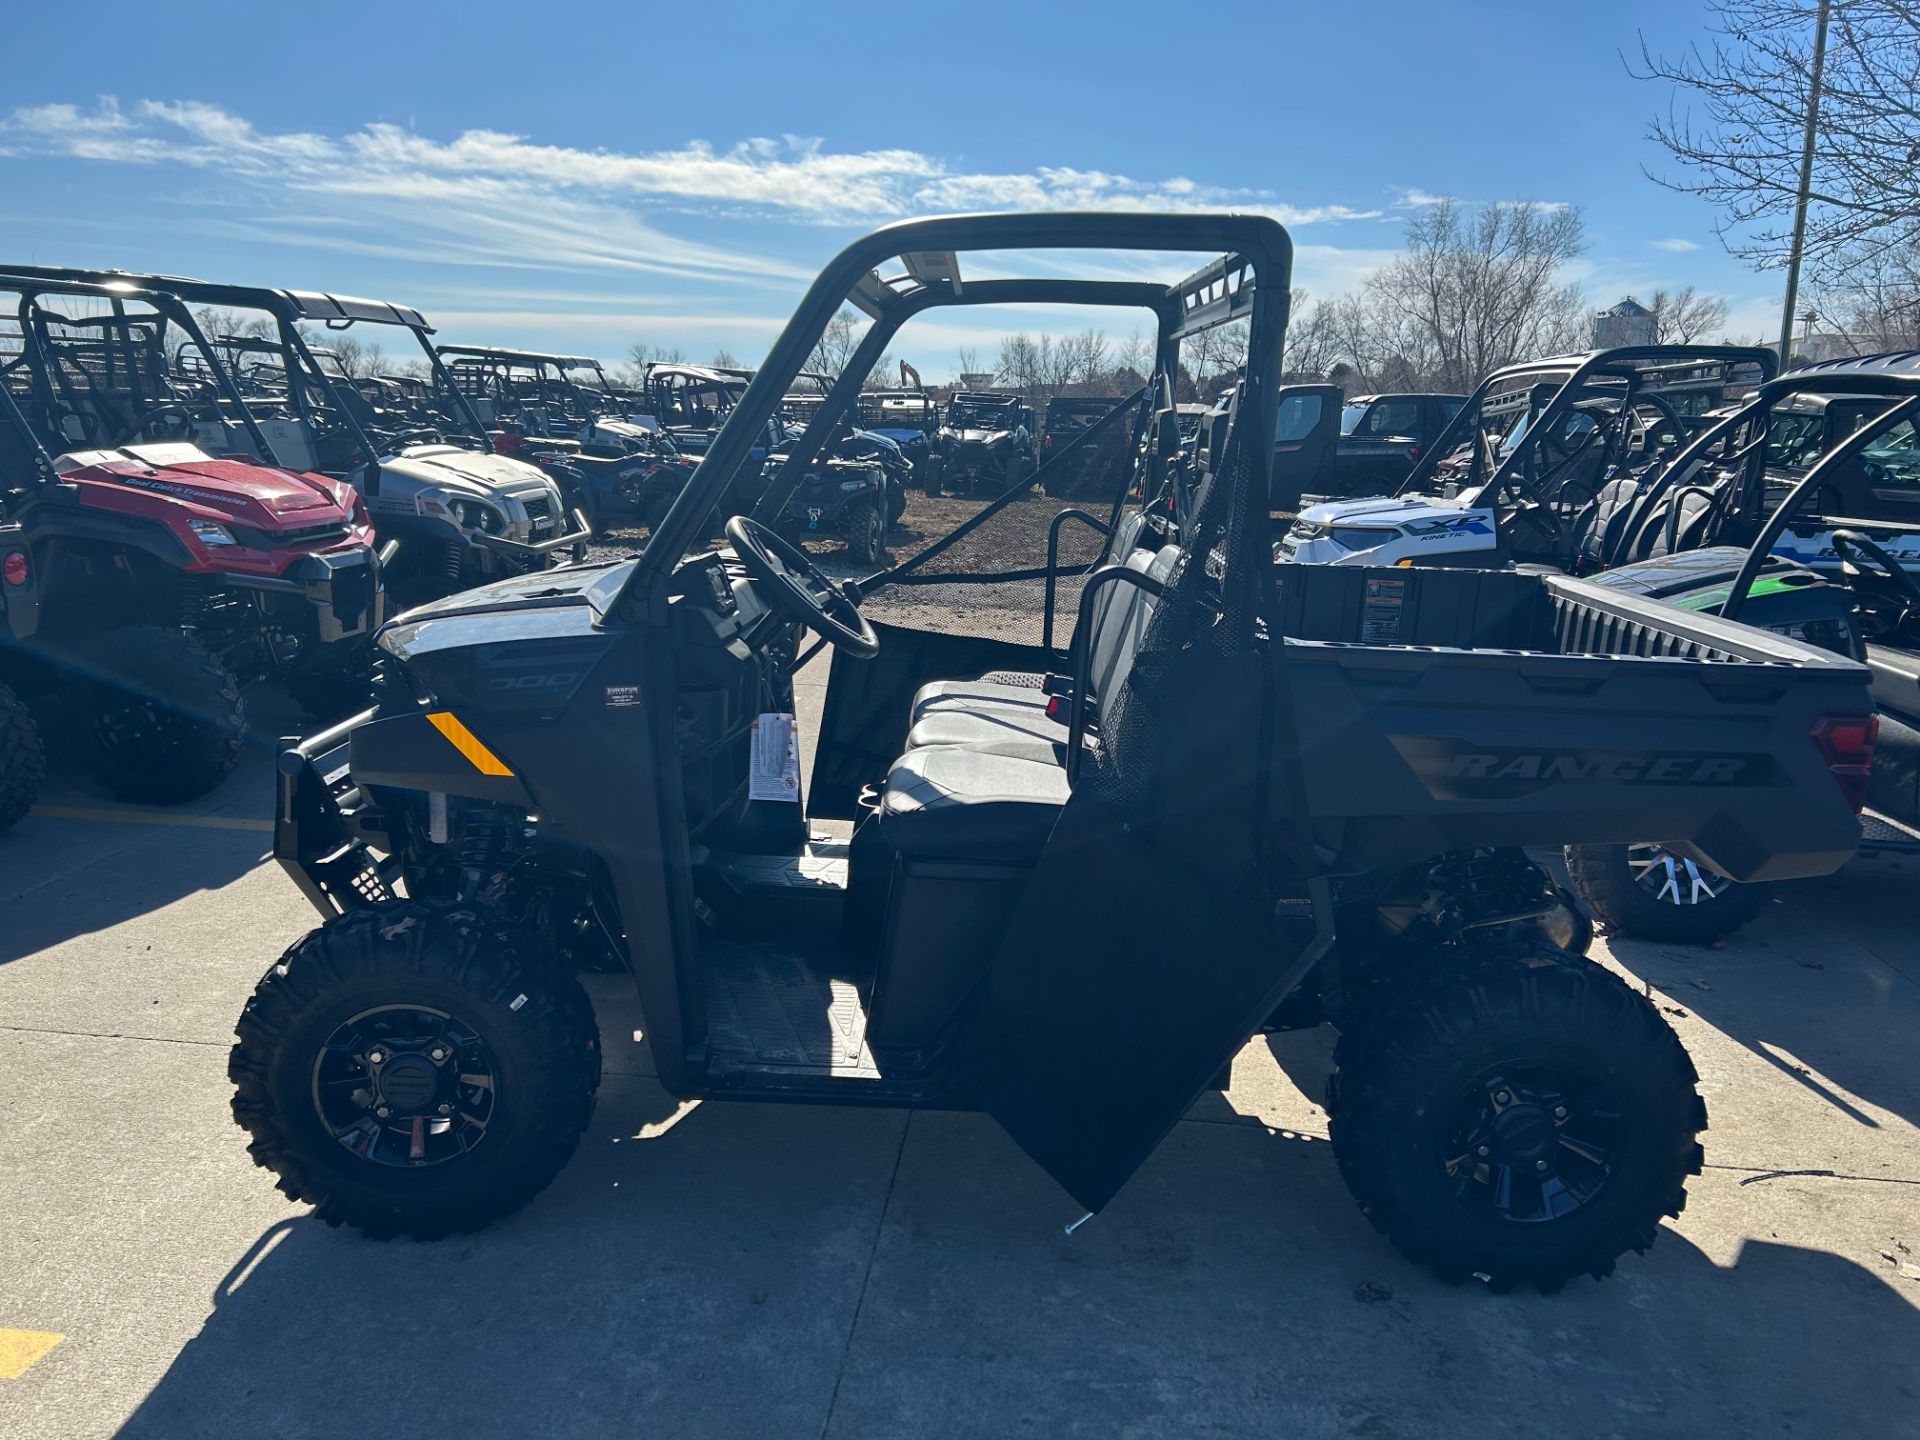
x=980, y=437
x=901, y=437
x=473, y=473
x=625, y=430
x=262, y=496
x=1379, y=510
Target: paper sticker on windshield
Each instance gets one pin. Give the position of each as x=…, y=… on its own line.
x=776, y=759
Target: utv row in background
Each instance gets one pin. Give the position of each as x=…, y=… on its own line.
x=615, y=467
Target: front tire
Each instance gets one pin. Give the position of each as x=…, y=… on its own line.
x=1647, y=892
x=866, y=533
x=1517, y=1114
x=412, y=1070
x=160, y=719
x=23, y=761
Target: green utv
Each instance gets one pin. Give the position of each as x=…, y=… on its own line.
x=1082, y=876
x=1798, y=510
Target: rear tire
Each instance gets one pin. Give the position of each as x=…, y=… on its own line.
x=159, y=716
x=310, y=1099
x=1517, y=1114
x=1646, y=893
x=23, y=760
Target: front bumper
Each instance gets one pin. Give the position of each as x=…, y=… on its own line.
x=565, y=539
x=326, y=831
x=342, y=588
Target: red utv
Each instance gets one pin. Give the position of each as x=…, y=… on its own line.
x=156, y=557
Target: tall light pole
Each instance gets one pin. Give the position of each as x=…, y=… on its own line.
x=1806, y=184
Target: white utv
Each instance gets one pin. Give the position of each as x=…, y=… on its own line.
x=1513, y=476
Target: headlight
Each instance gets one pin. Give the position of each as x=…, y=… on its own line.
x=473, y=515
x=1302, y=530
x=211, y=532
x=434, y=503
x=847, y=487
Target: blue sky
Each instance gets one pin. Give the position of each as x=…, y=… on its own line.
x=581, y=177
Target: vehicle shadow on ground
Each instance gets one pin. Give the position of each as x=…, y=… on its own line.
x=1823, y=949
x=768, y=1271
x=55, y=864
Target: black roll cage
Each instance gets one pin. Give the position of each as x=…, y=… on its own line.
x=1221, y=292
x=543, y=365
x=1639, y=369
x=1857, y=378
x=36, y=343
x=288, y=308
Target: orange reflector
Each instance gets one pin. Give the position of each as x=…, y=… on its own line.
x=467, y=743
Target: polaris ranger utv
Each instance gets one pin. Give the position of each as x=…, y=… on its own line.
x=427, y=472
x=1514, y=474
x=1078, y=882
x=1375, y=445
x=1798, y=511
x=150, y=570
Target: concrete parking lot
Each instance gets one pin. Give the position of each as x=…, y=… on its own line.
x=792, y=1271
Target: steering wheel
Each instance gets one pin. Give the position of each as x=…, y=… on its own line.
x=169, y=407
x=1852, y=545
x=797, y=587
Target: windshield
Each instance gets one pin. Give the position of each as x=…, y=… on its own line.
x=983, y=414
x=1350, y=417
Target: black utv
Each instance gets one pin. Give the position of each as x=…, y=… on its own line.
x=1080, y=877
x=984, y=440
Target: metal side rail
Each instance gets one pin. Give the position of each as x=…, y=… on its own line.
x=322, y=824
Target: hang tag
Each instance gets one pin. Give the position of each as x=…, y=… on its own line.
x=776, y=759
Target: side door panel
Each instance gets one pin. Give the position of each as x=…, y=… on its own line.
x=1145, y=949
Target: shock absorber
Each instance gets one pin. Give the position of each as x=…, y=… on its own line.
x=486, y=840
x=453, y=561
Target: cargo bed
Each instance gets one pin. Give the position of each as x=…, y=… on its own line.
x=1579, y=714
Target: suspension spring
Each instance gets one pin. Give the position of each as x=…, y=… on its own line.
x=486, y=842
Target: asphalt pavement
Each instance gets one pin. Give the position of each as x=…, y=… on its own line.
x=772, y=1271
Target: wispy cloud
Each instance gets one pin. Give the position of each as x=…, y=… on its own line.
x=1675, y=246
x=1418, y=199
x=798, y=177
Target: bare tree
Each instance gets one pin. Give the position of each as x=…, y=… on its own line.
x=1751, y=83
x=1481, y=287
x=837, y=344
x=1131, y=359
x=216, y=321
x=1877, y=306
x=1313, y=339
x=723, y=360
x=1683, y=316
x=1088, y=364
x=966, y=361
x=641, y=355
x=358, y=358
